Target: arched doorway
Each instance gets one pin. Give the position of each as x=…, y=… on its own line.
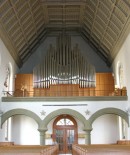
x=65, y=133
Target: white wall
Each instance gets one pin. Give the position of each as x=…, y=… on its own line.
x=49, y=131
x=123, y=57
x=5, y=60
x=105, y=130
x=24, y=131
x=37, y=107
x=80, y=131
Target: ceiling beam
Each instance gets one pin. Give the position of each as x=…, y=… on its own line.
x=13, y=52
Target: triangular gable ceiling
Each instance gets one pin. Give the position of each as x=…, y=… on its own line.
x=103, y=23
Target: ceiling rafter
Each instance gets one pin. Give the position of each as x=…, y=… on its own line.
x=105, y=24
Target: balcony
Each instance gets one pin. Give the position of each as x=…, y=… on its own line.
x=103, y=90
x=65, y=93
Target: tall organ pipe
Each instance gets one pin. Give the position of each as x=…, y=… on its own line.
x=64, y=65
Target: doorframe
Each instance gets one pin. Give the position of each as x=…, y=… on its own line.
x=65, y=127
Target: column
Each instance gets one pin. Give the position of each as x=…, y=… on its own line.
x=42, y=136
x=88, y=136
x=128, y=133
x=129, y=126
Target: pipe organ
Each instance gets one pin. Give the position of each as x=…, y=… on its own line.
x=64, y=65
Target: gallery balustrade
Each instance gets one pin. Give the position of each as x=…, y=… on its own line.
x=64, y=90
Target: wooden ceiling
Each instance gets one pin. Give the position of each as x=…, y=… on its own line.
x=104, y=24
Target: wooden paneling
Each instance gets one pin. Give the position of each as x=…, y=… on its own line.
x=24, y=85
x=6, y=143
x=104, y=87
x=104, y=84
x=64, y=90
x=123, y=142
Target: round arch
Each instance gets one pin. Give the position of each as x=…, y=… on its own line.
x=65, y=116
x=104, y=111
x=70, y=112
x=25, y=112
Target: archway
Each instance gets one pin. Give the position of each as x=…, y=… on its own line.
x=70, y=112
x=75, y=114
x=114, y=111
x=65, y=133
x=22, y=121
x=25, y=112
x=107, y=120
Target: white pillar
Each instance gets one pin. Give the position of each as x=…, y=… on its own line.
x=88, y=136
x=42, y=136
x=129, y=126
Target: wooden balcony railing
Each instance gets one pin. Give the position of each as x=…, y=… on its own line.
x=38, y=92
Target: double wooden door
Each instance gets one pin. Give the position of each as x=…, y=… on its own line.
x=65, y=135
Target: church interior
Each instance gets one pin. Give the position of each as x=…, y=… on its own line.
x=64, y=77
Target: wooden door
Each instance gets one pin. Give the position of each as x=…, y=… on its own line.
x=65, y=133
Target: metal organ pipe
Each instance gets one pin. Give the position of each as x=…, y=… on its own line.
x=63, y=65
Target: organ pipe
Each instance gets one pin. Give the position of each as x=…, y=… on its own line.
x=64, y=65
